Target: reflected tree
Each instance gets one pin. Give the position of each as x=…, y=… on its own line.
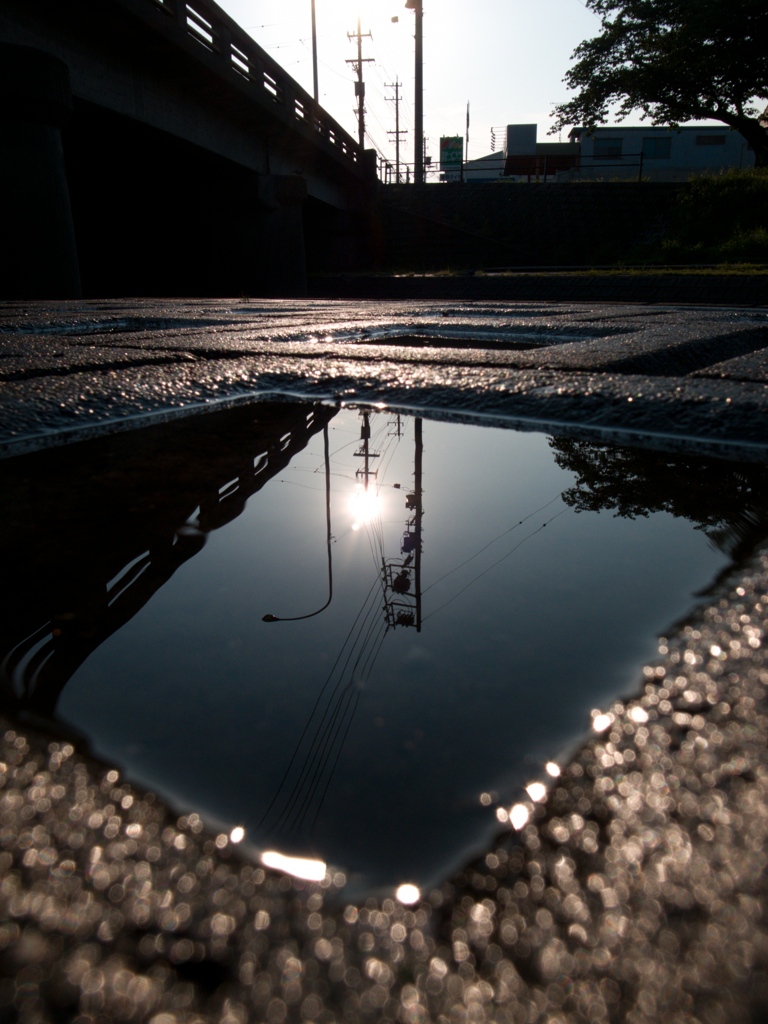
x=727, y=500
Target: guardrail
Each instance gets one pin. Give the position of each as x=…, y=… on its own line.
x=205, y=23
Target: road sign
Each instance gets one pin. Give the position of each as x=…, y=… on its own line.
x=451, y=152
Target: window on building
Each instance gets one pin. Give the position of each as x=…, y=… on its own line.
x=710, y=140
x=657, y=147
x=607, y=149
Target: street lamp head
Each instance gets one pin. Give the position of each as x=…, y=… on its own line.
x=270, y=618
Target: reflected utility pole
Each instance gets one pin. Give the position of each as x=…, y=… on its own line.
x=364, y=452
x=402, y=576
x=396, y=423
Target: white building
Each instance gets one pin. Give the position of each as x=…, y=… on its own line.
x=657, y=153
x=609, y=153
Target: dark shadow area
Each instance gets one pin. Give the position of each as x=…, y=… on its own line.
x=337, y=241
x=173, y=219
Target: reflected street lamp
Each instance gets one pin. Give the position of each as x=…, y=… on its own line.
x=295, y=618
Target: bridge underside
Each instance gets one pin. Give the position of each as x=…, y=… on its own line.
x=174, y=219
x=135, y=162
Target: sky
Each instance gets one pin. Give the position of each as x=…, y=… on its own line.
x=505, y=58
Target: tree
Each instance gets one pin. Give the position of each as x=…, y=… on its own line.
x=674, y=61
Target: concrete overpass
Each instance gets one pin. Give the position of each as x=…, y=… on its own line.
x=152, y=147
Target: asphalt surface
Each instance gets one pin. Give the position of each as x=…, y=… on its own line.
x=632, y=889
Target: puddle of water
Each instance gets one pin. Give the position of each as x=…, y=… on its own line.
x=455, y=601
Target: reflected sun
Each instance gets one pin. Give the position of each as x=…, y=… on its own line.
x=365, y=506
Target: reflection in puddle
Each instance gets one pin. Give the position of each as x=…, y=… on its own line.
x=355, y=638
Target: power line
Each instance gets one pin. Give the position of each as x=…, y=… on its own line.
x=496, y=563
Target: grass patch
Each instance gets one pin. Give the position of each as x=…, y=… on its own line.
x=719, y=219
x=644, y=270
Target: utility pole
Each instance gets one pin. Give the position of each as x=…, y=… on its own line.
x=359, y=84
x=418, y=102
x=397, y=133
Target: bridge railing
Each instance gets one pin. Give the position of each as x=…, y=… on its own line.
x=221, y=37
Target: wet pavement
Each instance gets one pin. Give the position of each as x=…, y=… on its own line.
x=71, y=369
x=631, y=886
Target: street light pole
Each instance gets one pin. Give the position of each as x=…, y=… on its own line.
x=418, y=103
x=314, y=52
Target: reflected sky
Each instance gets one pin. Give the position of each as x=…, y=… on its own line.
x=475, y=623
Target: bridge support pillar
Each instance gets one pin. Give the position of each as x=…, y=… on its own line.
x=39, y=254
x=281, y=237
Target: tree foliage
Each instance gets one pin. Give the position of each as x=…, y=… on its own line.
x=674, y=61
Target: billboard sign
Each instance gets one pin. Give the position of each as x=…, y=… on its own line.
x=451, y=152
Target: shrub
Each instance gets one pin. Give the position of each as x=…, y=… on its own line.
x=720, y=218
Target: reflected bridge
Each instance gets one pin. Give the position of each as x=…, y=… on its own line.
x=126, y=533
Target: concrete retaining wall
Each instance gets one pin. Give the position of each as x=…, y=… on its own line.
x=432, y=227
x=704, y=288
